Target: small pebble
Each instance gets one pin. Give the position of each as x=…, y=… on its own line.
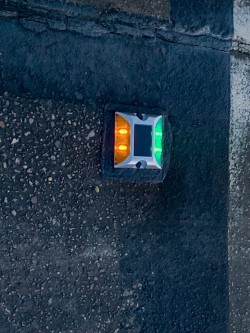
x=50, y=179
x=91, y=134
x=13, y=212
x=58, y=144
x=14, y=141
x=2, y=125
x=34, y=200
x=97, y=189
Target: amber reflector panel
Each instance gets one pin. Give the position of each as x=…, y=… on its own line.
x=122, y=139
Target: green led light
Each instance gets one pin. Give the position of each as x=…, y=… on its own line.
x=158, y=141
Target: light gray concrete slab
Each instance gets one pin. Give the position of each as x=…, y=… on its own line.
x=239, y=199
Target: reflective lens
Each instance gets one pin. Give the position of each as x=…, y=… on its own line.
x=122, y=139
x=158, y=141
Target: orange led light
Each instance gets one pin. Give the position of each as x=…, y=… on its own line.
x=122, y=139
x=123, y=131
x=122, y=147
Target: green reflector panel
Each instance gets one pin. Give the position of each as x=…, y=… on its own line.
x=158, y=141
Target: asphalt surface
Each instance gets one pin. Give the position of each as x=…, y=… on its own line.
x=80, y=254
